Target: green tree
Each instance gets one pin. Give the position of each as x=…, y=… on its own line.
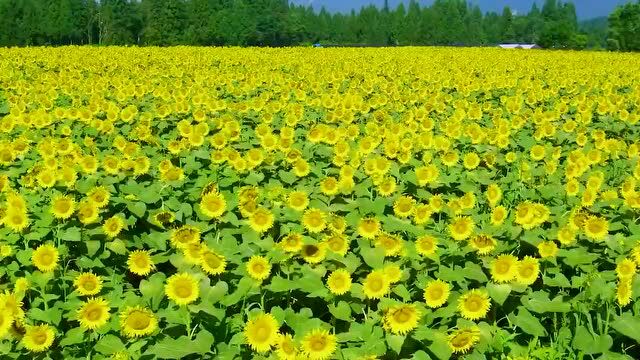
x=624, y=28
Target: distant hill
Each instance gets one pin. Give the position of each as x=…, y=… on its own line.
x=596, y=30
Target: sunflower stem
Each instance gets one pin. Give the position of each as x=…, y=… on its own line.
x=188, y=323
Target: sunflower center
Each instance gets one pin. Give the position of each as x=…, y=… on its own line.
x=212, y=260
x=138, y=321
x=435, y=292
x=258, y=268
x=262, y=333
x=460, y=340
x=318, y=344
x=402, y=315
x=93, y=314
x=141, y=262
x=502, y=268
x=183, y=290
x=89, y=285
x=376, y=284
x=526, y=271
x=46, y=259
x=310, y=250
x=39, y=337
x=473, y=304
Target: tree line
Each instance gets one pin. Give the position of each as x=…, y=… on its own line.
x=279, y=23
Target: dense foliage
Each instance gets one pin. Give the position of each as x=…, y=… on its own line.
x=277, y=23
x=624, y=29
x=318, y=203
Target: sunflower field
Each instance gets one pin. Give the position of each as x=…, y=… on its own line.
x=407, y=203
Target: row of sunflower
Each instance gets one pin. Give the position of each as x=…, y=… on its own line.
x=318, y=203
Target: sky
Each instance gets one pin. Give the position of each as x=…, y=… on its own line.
x=586, y=9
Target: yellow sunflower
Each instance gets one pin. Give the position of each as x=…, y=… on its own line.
x=213, y=205
x=483, y=244
x=596, y=228
x=461, y=228
x=402, y=319
x=140, y=262
x=314, y=220
x=137, y=322
x=624, y=292
x=474, y=304
x=426, y=245
x=286, y=348
x=298, y=200
x=16, y=220
x=337, y=243
x=212, y=263
x=99, y=196
x=261, y=220
x=62, y=207
x=88, y=212
x=503, y=268
x=460, y=341
x=93, y=314
x=368, y=228
x=436, y=293
x=113, y=226
x=184, y=235
x=319, y=345
x=45, y=258
x=291, y=243
x=258, y=268
x=527, y=270
x=375, y=285
x=88, y=284
x=547, y=249
x=261, y=332
x=38, y=338
x=625, y=269
x=313, y=253
x=339, y=282
x=182, y=288
x=6, y=321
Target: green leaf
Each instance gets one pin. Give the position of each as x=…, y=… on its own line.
x=373, y=257
x=527, y=322
x=627, y=325
x=153, y=289
x=499, y=292
x=73, y=336
x=279, y=284
x=109, y=344
x=138, y=209
x=341, y=311
x=71, y=234
x=395, y=342
x=169, y=348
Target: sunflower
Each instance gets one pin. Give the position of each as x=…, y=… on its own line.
x=182, y=288
x=213, y=205
x=566, y=235
x=402, y=319
x=626, y=269
x=494, y=194
x=375, y=285
x=291, y=243
x=461, y=228
x=88, y=212
x=88, y=284
x=319, y=345
x=527, y=270
x=368, y=228
x=261, y=220
x=403, y=207
x=436, y=293
x=38, y=338
x=392, y=272
x=212, y=263
x=392, y=245
x=193, y=253
x=426, y=245
x=471, y=161
x=140, y=262
x=184, y=235
x=498, y=215
x=286, y=348
x=137, y=322
x=312, y=253
x=45, y=258
x=113, y=226
x=16, y=220
x=547, y=249
x=99, y=196
x=596, y=228
x=258, y=268
x=337, y=243
x=298, y=200
x=503, y=268
x=93, y=314
x=261, y=332
x=62, y=207
x=483, y=244
x=163, y=218
x=11, y=305
x=339, y=282
x=624, y=292
x=474, y=304
x=460, y=341
x=6, y=321
x=314, y=220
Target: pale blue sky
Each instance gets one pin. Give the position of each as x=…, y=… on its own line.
x=586, y=8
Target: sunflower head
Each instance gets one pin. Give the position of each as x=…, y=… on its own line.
x=88, y=284
x=182, y=288
x=261, y=332
x=45, y=258
x=137, y=322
